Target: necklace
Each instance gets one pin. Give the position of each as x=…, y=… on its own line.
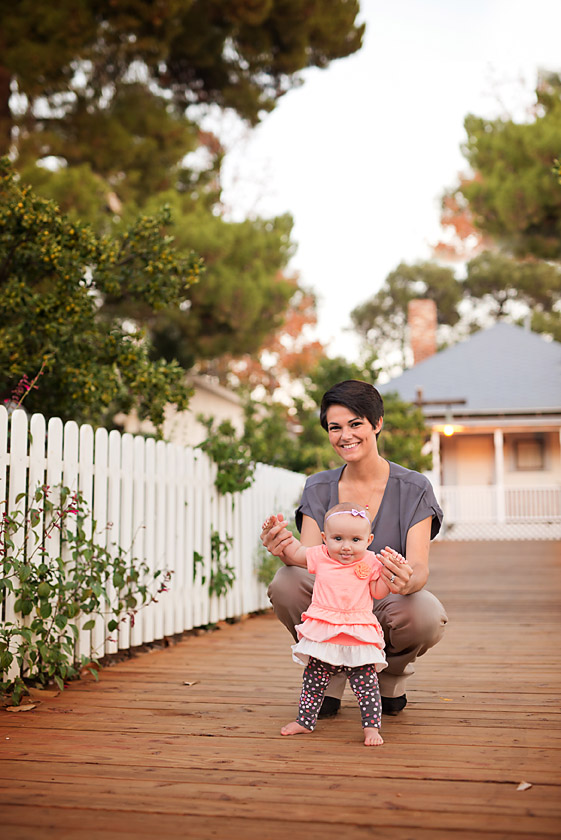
x=367, y=505
x=376, y=492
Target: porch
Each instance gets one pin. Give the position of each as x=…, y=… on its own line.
x=501, y=512
x=184, y=741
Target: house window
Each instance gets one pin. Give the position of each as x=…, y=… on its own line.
x=529, y=454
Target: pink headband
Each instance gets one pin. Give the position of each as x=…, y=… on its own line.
x=352, y=511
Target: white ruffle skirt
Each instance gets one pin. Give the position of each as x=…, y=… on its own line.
x=351, y=655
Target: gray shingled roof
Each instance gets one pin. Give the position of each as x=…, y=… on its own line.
x=504, y=368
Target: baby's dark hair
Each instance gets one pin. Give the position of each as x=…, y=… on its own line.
x=359, y=397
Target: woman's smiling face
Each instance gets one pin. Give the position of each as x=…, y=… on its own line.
x=350, y=436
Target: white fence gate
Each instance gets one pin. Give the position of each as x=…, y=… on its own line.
x=160, y=500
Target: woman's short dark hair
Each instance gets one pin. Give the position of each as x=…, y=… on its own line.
x=359, y=397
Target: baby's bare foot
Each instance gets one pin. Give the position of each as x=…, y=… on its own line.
x=372, y=737
x=294, y=729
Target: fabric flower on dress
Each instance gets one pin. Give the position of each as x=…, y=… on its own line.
x=362, y=569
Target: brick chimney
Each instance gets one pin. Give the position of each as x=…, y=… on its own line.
x=421, y=317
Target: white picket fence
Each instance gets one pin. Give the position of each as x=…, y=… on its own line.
x=159, y=499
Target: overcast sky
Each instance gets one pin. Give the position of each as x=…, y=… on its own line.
x=361, y=153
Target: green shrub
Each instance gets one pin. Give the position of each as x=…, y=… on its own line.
x=54, y=592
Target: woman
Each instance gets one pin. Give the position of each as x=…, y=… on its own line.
x=405, y=517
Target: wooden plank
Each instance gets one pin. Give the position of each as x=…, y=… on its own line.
x=403, y=761
x=217, y=802
x=96, y=825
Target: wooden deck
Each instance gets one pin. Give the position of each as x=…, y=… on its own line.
x=143, y=755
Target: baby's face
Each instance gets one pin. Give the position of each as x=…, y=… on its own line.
x=347, y=537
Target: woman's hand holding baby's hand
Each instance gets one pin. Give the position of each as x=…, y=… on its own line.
x=275, y=535
x=397, y=570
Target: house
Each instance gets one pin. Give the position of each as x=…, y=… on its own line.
x=493, y=405
x=183, y=428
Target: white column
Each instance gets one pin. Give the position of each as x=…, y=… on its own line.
x=435, y=446
x=499, y=474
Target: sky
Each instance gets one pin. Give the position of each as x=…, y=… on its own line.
x=361, y=153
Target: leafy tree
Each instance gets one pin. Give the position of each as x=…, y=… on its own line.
x=115, y=95
x=54, y=274
x=513, y=195
x=231, y=53
x=512, y=202
x=382, y=320
x=245, y=293
x=498, y=281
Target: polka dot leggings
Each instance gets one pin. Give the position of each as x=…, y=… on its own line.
x=363, y=681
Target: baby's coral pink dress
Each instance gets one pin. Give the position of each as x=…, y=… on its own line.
x=339, y=626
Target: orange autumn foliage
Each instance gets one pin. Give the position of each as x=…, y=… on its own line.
x=464, y=241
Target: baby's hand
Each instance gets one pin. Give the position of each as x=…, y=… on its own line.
x=274, y=535
x=269, y=523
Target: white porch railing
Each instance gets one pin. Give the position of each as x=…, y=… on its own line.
x=161, y=501
x=494, y=512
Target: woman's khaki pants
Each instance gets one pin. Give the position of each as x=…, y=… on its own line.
x=411, y=623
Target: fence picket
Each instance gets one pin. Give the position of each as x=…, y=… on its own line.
x=188, y=536
x=85, y=486
x=138, y=531
x=113, y=515
x=4, y=459
x=17, y=489
x=70, y=455
x=36, y=476
x=125, y=530
x=18, y=462
x=37, y=461
x=100, y=482
x=3, y=490
x=160, y=541
x=169, y=466
x=149, y=611
x=54, y=477
x=179, y=519
x=207, y=497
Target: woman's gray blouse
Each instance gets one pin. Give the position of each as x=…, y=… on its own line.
x=408, y=499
